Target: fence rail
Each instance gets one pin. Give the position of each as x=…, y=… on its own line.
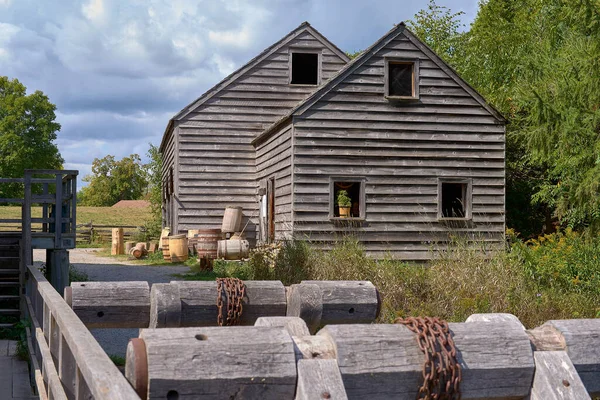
x=67, y=362
x=90, y=232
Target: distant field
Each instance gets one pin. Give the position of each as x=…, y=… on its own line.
x=97, y=215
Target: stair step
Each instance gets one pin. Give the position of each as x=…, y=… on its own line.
x=9, y=284
x=7, y=325
x=9, y=311
x=9, y=271
x=9, y=297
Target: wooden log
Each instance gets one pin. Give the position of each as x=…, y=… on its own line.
x=117, y=247
x=199, y=308
x=319, y=379
x=165, y=306
x=139, y=250
x=556, y=378
x=128, y=246
x=384, y=361
x=215, y=363
x=293, y=325
x=311, y=347
x=495, y=317
x=152, y=247
x=580, y=338
x=346, y=302
x=110, y=304
x=306, y=301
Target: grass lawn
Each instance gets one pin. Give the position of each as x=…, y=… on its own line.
x=97, y=215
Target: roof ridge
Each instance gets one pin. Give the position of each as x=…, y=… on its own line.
x=304, y=26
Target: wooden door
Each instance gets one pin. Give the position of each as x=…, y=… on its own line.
x=271, y=210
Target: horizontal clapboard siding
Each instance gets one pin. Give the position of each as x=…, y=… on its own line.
x=273, y=160
x=401, y=150
x=218, y=165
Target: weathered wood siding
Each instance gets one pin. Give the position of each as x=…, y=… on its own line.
x=401, y=150
x=169, y=161
x=216, y=159
x=273, y=160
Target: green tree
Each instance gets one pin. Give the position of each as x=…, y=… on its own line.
x=441, y=30
x=154, y=168
x=27, y=133
x=112, y=181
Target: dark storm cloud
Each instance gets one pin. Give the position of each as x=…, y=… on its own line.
x=117, y=70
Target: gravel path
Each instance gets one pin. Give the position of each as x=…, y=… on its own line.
x=114, y=341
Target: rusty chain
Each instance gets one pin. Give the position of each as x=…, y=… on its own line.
x=234, y=291
x=441, y=373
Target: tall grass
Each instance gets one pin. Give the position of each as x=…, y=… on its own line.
x=551, y=278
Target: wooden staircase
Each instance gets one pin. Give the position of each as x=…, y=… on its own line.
x=10, y=260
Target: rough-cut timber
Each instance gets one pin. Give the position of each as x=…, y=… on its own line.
x=208, y=144
x=580, y=338
x=319, y=379
x=165, y=306
x=293, y=325
x=219, y=363
x=110, y=304
x=556, y=378
x=347, y=302
x=306, y=301
x=199, y=302
x=384, y=361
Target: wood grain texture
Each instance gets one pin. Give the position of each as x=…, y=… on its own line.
x=556, y=378
x=346, y=302
x=293, y=325
x=384, y=361
x=582, y=343
x=319, y=379
x=220, y=363
x=198, y=302
x=306, y=301
x=111, y=304
x=165, y=306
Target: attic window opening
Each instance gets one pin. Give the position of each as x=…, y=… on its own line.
x=455, y=200
x=305, y=69
x=401, y=79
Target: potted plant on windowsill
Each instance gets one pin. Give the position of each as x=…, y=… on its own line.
x=344, y=202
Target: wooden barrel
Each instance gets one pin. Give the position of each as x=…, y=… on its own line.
x=232, y=219
x=233, y=249
x=178, y=248
x=206, y=242
x=191, y=235
x=165, y=248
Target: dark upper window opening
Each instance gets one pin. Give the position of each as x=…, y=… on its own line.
x=454, y=200
x=305, y=69
x=401, y=79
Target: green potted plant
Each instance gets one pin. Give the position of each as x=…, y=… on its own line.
x=343, y=202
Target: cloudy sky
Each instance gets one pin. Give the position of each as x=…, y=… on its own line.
x=119, y=69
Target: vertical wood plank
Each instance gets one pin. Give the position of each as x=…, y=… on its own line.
x=58, y=213
x=67, y=370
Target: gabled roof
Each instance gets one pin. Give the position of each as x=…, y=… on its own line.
x=303, y=27
x=364, y=57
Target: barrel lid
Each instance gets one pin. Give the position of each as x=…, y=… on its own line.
x=236, y=207
x=177, y=236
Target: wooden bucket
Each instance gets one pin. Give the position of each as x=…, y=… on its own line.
x=165, y=248
x=232, y=219
x=178, y=248
x=206, y=242
x=191, y=235
x=233, y=249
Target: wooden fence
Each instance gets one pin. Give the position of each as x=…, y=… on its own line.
x=66, y=360
x=94, y=233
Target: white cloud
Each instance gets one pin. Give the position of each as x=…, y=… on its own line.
x=5, y=3
x=94, y=10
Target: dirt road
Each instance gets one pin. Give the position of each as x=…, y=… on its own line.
x=114, y=341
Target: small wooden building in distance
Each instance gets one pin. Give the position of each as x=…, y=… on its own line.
x=419, y=152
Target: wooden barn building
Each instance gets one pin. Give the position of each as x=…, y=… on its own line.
x=418, y=151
